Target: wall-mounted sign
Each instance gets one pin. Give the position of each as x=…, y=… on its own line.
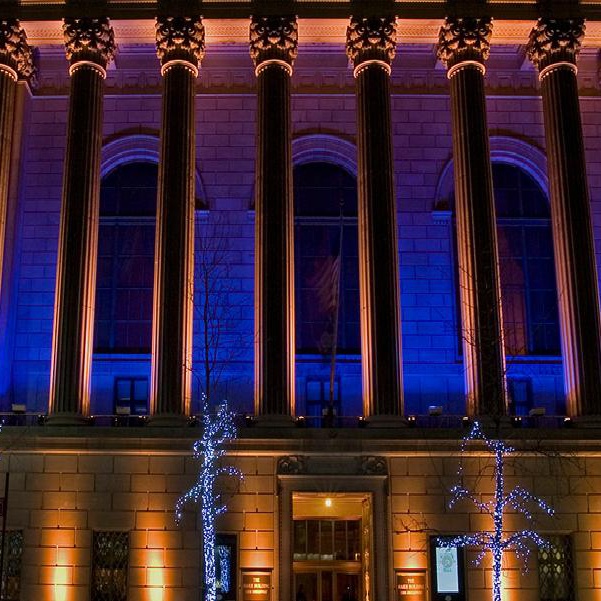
x=447, y=570
x=256, y=586
x=411, y=585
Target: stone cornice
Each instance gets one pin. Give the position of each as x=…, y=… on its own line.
x=310, y=31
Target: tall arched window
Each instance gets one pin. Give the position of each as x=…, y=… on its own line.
x=123, y=317
x=327, y=281
x=526, y=263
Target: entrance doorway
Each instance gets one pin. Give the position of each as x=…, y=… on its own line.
x=331, y=546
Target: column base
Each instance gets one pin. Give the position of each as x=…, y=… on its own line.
x=274, y=421
x=66, y=419
x=386, y=421
x=168, y=420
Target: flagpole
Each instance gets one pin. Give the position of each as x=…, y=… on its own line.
x=336, y=311
x=4, y=512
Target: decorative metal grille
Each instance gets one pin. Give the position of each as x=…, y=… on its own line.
x=11, y=570
x=110, y=555
x=556, y=570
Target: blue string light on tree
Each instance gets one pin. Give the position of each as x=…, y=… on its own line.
x=518, y=499
x=218, y=429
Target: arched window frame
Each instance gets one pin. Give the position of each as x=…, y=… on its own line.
x=504, y=150
x=323, y=148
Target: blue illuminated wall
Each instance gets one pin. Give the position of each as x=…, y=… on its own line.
x=324, y=131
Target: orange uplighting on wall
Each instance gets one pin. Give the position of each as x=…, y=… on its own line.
x=155, y=576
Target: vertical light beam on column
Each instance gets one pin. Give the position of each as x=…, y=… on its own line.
x=180, y=49
x=273, y=49
x=553, y=48
x=89, y=47
x=464, y=45
x=370, y=45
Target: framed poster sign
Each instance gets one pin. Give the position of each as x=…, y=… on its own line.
x=256, y=585
x=411, y=585
x=446, y=564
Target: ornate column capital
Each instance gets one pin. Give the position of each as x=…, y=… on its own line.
x=180, y=40
x=371, y=40
x=89, y=41
x=555, y=42
x=464, y=40
x=273, y=40
x=16, y=56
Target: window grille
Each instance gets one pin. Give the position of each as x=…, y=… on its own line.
x=11, y=570
x=110, y=554
x=556, y=570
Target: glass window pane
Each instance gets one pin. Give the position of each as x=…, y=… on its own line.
x=300, y=540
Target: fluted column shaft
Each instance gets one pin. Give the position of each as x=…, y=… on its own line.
x=463, y=48
x=553, y=47
x=273, y=50
x=90, y=45
x=15, y=62
x=180, y=45
x=378, y=249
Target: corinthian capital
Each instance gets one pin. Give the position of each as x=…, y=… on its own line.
x=15, y=52
x=555, y=41
x=180, y=38
x=371, y=38
x=273, y=38
x=464, y=39
x=88, y=39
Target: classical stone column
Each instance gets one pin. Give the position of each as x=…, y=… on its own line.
x=463, y=47
x=89, y=47
x=16, y=62
x=553, y=48
x=273, y=48
x=370, y=45
x=180, y=48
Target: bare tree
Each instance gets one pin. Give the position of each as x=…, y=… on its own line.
x=219, y=341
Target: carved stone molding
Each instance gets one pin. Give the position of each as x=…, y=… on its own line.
x=555, y=40
x=464, y=39
x=371, y=38
x=180, y=38
x=292, y=465
x=373, y=466
x=273, y=38
x=15, y=52
x=88, y=39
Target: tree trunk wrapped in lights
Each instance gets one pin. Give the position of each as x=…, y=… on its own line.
x=518, y=499
x=218, y=429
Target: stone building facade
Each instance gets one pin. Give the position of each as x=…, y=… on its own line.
x=375, y=228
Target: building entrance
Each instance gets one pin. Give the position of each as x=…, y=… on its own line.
x=331, y=547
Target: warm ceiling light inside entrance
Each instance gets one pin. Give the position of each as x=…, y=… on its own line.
x=328, y=502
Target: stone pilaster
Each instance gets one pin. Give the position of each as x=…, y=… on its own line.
x=180, y=49
x=370, y=45
x=463, y=47
x=89, y=45
x=273, y=49
x=553, y=48
x=15, y=62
